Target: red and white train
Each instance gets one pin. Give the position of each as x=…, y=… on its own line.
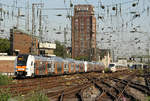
x=30, y=66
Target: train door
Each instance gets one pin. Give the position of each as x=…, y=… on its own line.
x=72, y=67
x=77, y=67
x=49, y=67
x=52, y=67
x=59, y=67
x=81, y=67
x=85, y=66
x=66, y=68
x=30, y=66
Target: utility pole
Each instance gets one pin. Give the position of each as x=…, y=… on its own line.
x=28, y=18
x=33, y=29
x=40, y=22
x=65, y=41
x=40, y=25
x=33, y=48
x=91, y=53
x=0, y=15
x=18, y=18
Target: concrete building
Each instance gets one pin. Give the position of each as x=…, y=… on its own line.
x=47, y=49
x=84, y=32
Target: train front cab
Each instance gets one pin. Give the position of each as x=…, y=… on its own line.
x=24, y=65
x=112, y=67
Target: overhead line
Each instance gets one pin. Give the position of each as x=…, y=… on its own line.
x=56, y=9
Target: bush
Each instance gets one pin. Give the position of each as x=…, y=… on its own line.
x=141, y=71
x=5, y=80
x=106, y=70
x=148, y=98
x=35, y=96
x=38, y=97
x=4, y=95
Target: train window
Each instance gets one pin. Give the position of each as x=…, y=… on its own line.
x=111, y=65
x=44, y=65
x=22, y=60
x=32, y=63
x=35, y=64
x=49, y=65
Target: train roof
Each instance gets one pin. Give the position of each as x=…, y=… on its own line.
x=55, y=58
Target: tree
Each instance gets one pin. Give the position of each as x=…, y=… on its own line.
x=85, y=58
x=60, y=50
x=4, y=46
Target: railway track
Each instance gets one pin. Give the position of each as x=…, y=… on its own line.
x=39, y=83
x=147, y=77
x=63, y=88
x=111, y=91
x=119, y=91
x=143, y=88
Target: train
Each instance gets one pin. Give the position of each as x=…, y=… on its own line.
x=113, y=67
x=27, y=65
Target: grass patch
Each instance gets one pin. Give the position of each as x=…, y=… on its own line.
x=4, y=95
x=106, y=70
x=140, y=71
x=148, y=98
x=5, y=80
x=38, y=97
x=34, y=96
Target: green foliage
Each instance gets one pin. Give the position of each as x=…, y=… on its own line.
x=106, y=70
x=4, y=46
x=141, y=71
x=5, y=80
x=148, y=98
x=60, y=50
x=85, y=58
x=35, y=96
x=4, y=95
x=38, y=97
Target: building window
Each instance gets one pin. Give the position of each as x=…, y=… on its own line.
x=82, y=44
x=76, y=20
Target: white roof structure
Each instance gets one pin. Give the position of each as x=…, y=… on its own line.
x=6, y=58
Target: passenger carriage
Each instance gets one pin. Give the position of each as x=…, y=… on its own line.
x=113, y=67
x=30, y=66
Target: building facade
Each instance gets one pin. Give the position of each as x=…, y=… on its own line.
x=84, y=32
x=21, y=42
x=7, y=65
x=46, y=48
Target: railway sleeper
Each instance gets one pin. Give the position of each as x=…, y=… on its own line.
x=147, y=82
x=140, y=87
x=131, y=97
x=79, y=95
x=104, y=91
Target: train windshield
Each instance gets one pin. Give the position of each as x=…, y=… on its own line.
x=22, y=60
x=111, y=65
